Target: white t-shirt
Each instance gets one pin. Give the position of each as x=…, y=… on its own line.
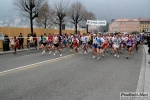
x=12, y=41
x=84, y=39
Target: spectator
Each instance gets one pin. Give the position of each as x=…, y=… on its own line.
x=148, y=41
x=16, y=44
x=30, y=42
x=6, y=40
x=28, y=39
x=21, y=40
x=35, y=39
x=12, y=43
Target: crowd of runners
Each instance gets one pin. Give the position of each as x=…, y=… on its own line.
x=100, y=44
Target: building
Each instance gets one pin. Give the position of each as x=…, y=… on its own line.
x=124, y=25
x=144, y=25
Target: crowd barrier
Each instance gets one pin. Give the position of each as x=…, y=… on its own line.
x=16, y=32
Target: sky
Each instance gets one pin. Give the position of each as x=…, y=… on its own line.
x=103, y=9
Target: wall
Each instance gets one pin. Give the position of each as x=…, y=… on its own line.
x=16, y=31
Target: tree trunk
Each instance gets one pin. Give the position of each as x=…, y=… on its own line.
x=31, y=25
x=87, y=28
x=76, y=30
x=31, y=22
x=45, y=26
x=60, y=29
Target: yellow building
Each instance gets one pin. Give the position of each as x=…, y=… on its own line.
x=144, y=25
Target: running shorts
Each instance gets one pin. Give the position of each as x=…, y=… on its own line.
x=94, y=45
x=44, y=44
x=116, y=46
x=56, y=45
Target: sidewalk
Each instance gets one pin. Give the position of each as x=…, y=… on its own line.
x=18, y=50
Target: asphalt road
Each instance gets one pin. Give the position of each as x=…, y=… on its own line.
x=71, y=77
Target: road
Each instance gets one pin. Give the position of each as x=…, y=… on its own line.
x=29, y=75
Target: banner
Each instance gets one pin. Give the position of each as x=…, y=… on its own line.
x=96, y=22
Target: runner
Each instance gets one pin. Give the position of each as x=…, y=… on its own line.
x=116, y=45
x=99, y=46
x=56, y=44
x=110, y=42
x=138, y=40
x=63, y=38
x=45, y=44
x=84, y=42
x=88, y=41
x=50, y=41
x=129, y=46
x=105, y=46
x=123, y=43
x=75, y=42
x=94, y=45
x=70, y=42
x=39, y=42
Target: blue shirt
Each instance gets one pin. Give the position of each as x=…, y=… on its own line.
x=99, y=41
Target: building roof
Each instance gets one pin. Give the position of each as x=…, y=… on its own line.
x=126, y=19
x=144, y=19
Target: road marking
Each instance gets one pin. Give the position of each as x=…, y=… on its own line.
x=33, y=65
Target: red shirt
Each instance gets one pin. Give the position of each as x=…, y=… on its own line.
x=16, y=42
x=50, y=38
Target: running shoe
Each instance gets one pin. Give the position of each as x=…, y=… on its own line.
x=43, y=52
x=60, y=55
x=54, y=54
x=50, y=52
x=93, y=57
x=127, y=57
x=37, y=48
x=115, y=55
x=118, y=56
x=98, y=58
x=120, y=52
x=103, y=55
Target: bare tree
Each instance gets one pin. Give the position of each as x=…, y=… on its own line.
x=60, y=10
x=30, y=7
x=76, y=11
x=88, y=16
x=46, y=16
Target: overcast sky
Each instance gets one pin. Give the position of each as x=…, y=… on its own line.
x=103, y=9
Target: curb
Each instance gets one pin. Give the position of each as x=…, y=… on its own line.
x=147, y=71
x=144, y=80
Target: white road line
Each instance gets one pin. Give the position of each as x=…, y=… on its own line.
x=35, y=64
